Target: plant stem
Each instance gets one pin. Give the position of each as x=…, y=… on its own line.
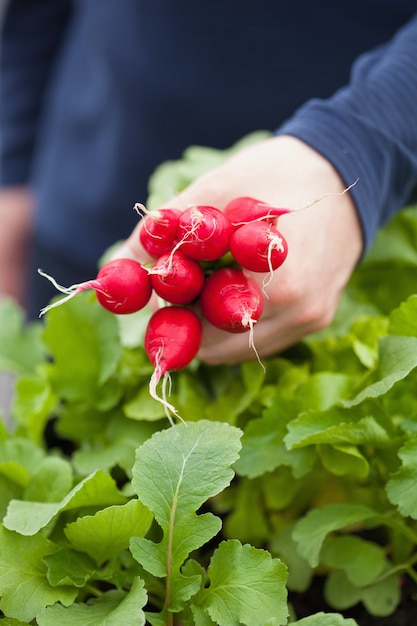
x=401, y=527
x=94, y=591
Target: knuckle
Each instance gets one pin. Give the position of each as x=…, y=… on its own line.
x=316, y=315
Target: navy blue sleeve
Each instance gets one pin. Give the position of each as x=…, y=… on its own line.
x=31, y=34
x=368, y=129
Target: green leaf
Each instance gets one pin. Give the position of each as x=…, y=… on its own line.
x=397, y=241
x=33, y=404
x=143, y=407
x=397, y=358
x=361, y=560
x=324, y=389
x=22, y=452
x=21, y=347
x=116, y=445
x=105, y=457
x=403, y=319
x=380, y=598
x=238, y=395
x=383, y=597
x=325, y=619
x=113, y=608
x=175, y=472
x=247, y=520
x=19, y=459
x=24, y=588
x=190, y=395
x=83, y=339
x=263, y=447
x=278, y=489
x=51, y=481
x=109, y=531
x=300, y=574
x=8, y=490
x=312, y=529
x=4, y=431
x=343, y=459
x=330, y=427
x=247, y=586
x=68, y=567
x=27, y=518
x=173, y=176
x=401, y=487
x=366, y=332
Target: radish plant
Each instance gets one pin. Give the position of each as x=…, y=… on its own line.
x=172, y=340
x=122, y=286
x=159, y=229
x=204, y=233
x=245, y=209
x=231, y=300
x=102, y=505
x=177, y=278
x=259, y=247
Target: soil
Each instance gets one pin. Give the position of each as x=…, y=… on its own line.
x=312, y=601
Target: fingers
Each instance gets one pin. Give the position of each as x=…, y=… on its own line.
x=324, y=243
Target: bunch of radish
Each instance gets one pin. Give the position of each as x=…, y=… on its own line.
x=201, y=257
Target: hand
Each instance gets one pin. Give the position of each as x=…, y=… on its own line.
x=16, y=216
x=324, y=241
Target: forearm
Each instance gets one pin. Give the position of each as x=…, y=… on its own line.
x=368, y=130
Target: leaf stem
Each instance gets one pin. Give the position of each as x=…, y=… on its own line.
x=411, y=572
x=170, y=544
x=93, y=591
x=400, y=527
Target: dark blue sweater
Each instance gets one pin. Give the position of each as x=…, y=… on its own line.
x=96, y=93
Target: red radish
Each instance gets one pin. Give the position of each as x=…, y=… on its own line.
x=172, y=340
x=204, y=233
x=230, y=300
x=259, y=247
x=158, y=233
x=247, y=209
x=122, y=286
x=176, y=278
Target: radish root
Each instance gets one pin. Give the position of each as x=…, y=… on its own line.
x=160, y=374
x=275, y=244
x=326, y=195
x=70, y=292
x=248, y=321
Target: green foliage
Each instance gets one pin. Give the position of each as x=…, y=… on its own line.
x=111, y=516
x=173, y=176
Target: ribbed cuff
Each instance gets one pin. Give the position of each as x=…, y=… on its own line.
x=359, y=152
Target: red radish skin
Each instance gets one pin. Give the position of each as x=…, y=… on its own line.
x=172, y=339
x=122, y=286
x=204, y=233
x=158, y=233
x=231, y=301
x=246, y=209
x=176, y=278
x=258, y=247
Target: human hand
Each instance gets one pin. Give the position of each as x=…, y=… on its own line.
x=324, y=242
x=16, y=216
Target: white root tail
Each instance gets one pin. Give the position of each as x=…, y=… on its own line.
x=249, y=322
x=274, y=244
x=326, y=195
x=156, y=377
x=70, y=292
